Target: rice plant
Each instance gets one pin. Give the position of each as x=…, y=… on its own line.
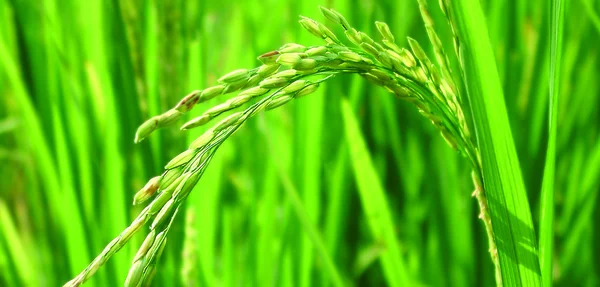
x=275, y=204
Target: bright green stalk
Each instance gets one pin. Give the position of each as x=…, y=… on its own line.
x=309, y=122
x=547, y=208
x=374, y=201
x=503, y=183
x=309, y=227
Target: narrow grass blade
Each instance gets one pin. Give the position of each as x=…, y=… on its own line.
x=503, y=183
x=314, y=236
x=547, y=207
x=310, y=122
x=374, y=201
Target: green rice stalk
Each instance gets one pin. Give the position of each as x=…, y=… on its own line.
x=286, y=74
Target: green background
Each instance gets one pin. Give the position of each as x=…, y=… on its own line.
x=78, y=77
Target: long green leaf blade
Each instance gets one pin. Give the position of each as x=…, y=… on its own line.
x=547, y=208
x=503, y=182
x=374, y=201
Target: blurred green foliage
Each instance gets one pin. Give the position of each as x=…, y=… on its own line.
x=78, y=77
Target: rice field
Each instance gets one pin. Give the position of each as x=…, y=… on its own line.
x=366, y=173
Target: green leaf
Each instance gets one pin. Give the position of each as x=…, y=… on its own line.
x=547, y=207
x=315, y=238
x=374, y=201
x=503, y=183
